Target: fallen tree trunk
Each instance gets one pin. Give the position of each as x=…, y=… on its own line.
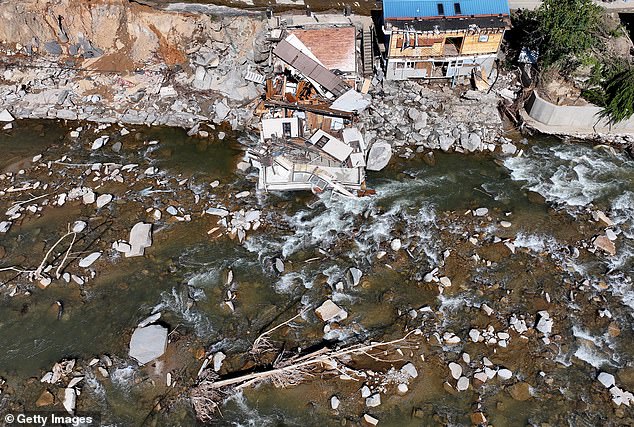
x=206, y=396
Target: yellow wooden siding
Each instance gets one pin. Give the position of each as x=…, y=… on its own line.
x=396, y=51
x=472, y=44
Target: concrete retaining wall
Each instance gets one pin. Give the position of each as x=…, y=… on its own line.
x=583, y=119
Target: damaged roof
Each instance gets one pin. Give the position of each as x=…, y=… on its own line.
x=450, y=24
x=310, y=68
x=334, y=47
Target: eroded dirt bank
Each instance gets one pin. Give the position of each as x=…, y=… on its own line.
x=114, y=61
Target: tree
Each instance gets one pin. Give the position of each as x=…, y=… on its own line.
x=566, y=29
x=619, y=97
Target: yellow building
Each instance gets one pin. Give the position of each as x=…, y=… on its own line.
x=442, y=39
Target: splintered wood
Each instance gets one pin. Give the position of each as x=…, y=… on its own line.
x=290, y=371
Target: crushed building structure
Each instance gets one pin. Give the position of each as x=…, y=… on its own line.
x=442, y=39
x=308, y=134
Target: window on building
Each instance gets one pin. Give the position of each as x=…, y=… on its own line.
x=456, y=8
x=441, y=9
x=322, y=141
x=483, y=38
x=400, y=65
x=286, y=129
x=411, y=64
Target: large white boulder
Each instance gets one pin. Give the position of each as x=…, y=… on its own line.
x=606, y=379
x=379, y=156
x=5, y=116
x=470, y=142
x=89, y=260
x=140, y=238
x=103, y=200
x=330, y=311
x=148, y=343
x=456, y=370
x=70, y=400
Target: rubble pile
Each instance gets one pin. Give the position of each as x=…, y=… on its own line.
x=146, y=83
x=415, y=118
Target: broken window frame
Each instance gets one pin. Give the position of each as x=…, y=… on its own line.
x=287, y=129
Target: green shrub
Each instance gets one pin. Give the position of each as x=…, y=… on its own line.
x=619, y=97
x=566, y=29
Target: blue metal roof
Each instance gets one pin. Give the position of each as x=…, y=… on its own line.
x=430, y=8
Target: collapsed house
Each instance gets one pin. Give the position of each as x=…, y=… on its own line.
x=308, y=138
x=442, y=39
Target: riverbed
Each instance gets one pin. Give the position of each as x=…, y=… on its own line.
x=541, y=203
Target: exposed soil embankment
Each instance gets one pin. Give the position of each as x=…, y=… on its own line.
x=135, y=32
x=115, y=61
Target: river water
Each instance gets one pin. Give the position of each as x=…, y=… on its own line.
x=184, y=275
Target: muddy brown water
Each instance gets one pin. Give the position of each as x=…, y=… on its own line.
x=183, y=276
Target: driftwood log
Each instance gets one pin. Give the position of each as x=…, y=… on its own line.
x=207, y=395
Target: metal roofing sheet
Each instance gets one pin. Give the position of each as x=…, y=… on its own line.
x=430, y=8
x=309, y=67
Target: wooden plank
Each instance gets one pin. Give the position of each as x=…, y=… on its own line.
x=312, y=120
x=269, y=89
x=323, y=109
x=366, y=86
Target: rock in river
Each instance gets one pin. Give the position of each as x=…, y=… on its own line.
x=103, y=200
x=606, y=379
x=463, y=384
x=87, y=261
x=605, y=244
x=505, y=374
x=329, y=311
x=148, y=343
x=70, y=400
x=5, y=116
x=79, y=226
x=456, y=370
x=520, y=391
x=4, y=226
x=140, y=238
x=481, y=212
x=373, y=401
x=410, y=370
x=545, y=323
x=334, y=402
x=45, y=399
x=379, y=156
